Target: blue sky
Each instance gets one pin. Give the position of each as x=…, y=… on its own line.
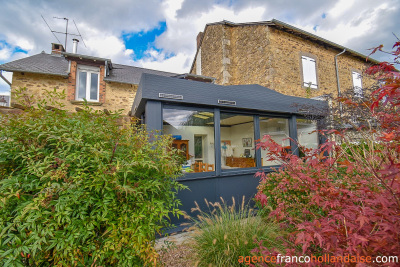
x=161, y=34
x=143, y=41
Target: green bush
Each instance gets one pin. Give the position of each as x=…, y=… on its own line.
x=77, y=189
x=225, y=233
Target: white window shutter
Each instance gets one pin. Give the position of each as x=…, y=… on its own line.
x=357, y=84
x=309, y=72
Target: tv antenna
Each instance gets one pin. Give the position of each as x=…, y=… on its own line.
x=66, y=33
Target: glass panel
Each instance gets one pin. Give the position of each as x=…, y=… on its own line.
x=237, y=141
x=309, y=72
x=82, y=85
x=193, y=131
x=278, y=129
x=306, y=135
x=94, y=81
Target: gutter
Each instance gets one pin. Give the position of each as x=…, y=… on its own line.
x=4, y=78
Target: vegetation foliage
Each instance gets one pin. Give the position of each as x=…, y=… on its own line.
x=344, y=197
x=79, y=189
x=225, y=233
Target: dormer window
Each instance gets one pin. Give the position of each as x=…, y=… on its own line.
x=87, y=86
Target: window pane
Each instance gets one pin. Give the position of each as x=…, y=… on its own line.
x=94, y=86
x=82, y=85
x=278, y=129
x=306, y=135
x=193, y=131
x=237, y=141
x=309, y=72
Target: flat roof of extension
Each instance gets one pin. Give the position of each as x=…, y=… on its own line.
x=245, y=97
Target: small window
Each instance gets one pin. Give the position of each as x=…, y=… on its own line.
x=87, y=86
x=357, y=84
x=309, y=72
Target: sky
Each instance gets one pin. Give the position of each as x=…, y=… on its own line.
x=161, y=34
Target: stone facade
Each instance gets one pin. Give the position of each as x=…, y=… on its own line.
x=269, y=56
x=119, y=96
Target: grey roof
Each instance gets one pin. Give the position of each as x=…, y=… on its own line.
x=58, y=65
x=248, y=97
x=131, y=75
x=40, y=63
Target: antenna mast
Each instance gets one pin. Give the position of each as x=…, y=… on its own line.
x=66, y=31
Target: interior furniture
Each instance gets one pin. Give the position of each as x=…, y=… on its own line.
x=240, y=162
x=203, y=167
x=182, y=145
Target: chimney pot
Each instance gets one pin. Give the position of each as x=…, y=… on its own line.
x=75, y=46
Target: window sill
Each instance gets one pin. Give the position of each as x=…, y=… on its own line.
x=226, y=173
x=90, y=103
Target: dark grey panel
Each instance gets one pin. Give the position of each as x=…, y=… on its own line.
x=293, y=134
x=153, y=116
x=214, y=188
x=251, y=97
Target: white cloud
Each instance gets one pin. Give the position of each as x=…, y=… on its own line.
x=358, y=24
x=5, y=53
x=178, y=63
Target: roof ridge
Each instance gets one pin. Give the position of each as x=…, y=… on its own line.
x=144, y=68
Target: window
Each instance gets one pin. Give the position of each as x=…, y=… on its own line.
x=87, y=83
x=357, y=84
x=278, y=129
x=309, y=72
x=306, y=134
x=237, y=141
x=193, y=131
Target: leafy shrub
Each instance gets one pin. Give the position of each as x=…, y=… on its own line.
x=224, y=233
x=77, y=189
x=343, y=198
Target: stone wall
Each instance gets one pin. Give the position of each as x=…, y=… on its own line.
x=265, y=55
x=286, y=51
x=212, y=56
x=119, y=96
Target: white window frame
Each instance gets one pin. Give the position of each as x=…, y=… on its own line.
x=309, y=71
x=89, y=70
x=357, y=83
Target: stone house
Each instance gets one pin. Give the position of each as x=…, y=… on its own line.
x=105, y=85
x=278, y=56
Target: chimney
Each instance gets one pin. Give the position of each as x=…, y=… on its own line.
x=199, y=37
x=75, y=46
x=57, y=48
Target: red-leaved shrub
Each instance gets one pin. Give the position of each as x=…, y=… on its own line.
x=344, y=197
